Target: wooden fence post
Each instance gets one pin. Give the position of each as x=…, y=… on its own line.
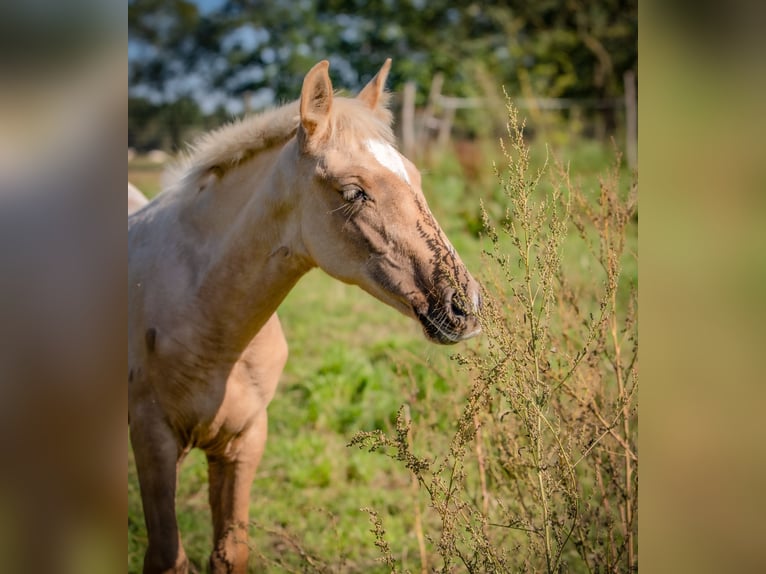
x=631, y=119
x=246, y=101
x=445, y=129
x=408, y=119
x=429, y=120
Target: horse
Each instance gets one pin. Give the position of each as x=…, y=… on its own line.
x=136, y=199
x=252, y=207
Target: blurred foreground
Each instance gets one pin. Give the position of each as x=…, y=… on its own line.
x=62, y=288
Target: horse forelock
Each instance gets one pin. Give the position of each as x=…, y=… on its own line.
x=352, y=123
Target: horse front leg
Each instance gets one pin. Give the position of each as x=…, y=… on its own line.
x=231, y=477
x=158, y=454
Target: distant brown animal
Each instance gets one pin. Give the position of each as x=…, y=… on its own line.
x=256, y=205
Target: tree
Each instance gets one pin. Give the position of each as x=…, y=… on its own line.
x=561, y=48
x=163, y=126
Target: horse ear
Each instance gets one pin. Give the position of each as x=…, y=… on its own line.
x=373, y=94
x=316, y=100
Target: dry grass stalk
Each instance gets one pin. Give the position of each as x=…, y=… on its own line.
x=551, y=413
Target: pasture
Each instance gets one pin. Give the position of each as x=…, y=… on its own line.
x=514, y=450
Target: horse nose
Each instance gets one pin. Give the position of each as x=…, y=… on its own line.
x=463, y=305
x=456, y=306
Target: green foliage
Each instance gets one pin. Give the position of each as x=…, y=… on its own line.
x=553, y=48
x=170, y=125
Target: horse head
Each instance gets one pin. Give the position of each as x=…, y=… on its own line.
x=364, y=218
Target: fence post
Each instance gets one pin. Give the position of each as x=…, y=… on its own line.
x=408, y=119
x=445, y=129
x=428, y=113
x=631, y=119
x=246, y=101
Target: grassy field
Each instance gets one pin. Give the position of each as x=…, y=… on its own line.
x=356, y=365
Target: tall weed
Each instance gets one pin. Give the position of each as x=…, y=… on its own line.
x=541, y=473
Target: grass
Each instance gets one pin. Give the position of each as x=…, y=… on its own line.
x=447, y=442
x=146, y=176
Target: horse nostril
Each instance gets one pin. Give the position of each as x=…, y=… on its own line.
x=456, y=307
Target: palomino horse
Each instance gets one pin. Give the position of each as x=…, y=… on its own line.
x=136, y=199
x=256, y=205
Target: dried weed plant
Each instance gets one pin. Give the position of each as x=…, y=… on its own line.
x=541, y=473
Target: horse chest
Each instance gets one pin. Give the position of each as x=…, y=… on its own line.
x=250, y=385
x=209, y=402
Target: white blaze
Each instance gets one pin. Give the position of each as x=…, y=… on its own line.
x=388, y=157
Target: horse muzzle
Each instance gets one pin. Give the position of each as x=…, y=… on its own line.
x=453, y=317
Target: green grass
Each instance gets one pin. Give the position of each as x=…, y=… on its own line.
x=146, y=176
x=353, y=364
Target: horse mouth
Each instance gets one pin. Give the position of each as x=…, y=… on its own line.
x=442, y=324
x=443, y=333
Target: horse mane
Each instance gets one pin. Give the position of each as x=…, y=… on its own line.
x=233, y=144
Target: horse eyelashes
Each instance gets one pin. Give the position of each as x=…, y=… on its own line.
x=355, y=194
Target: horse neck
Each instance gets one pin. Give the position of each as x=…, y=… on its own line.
x=254, y=251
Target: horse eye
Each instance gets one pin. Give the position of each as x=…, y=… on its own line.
x=355, y=193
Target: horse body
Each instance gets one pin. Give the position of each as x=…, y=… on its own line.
x=315, y=183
